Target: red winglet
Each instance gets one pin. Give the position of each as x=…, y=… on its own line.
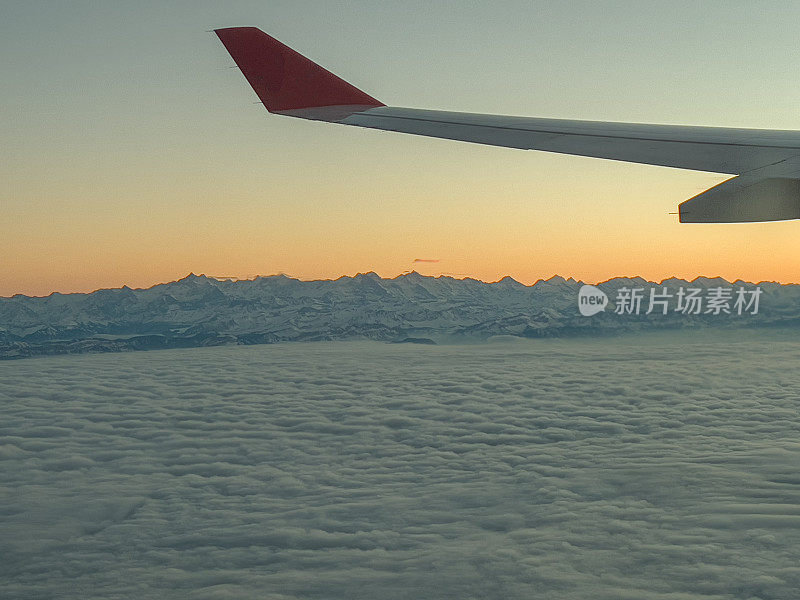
x=284, y=79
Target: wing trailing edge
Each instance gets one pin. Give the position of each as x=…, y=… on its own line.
x=767, y=162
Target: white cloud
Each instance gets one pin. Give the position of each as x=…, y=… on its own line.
x=642, y=467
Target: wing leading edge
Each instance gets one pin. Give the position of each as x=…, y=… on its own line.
x=766, y=163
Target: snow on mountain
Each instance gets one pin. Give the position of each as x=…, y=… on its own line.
x=199, y=310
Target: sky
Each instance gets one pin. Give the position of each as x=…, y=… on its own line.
x=134, y=155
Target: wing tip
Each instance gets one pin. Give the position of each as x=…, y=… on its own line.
x=284, y=79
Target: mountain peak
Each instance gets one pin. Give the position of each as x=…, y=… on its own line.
x=367, y=275
x=413, y=276
x=710, y=281
x=191, y=277
x=554, y=280
x=508, y=280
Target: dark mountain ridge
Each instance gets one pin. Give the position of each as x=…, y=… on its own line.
x=199, y=310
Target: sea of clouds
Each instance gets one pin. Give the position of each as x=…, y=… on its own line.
x=647, y=467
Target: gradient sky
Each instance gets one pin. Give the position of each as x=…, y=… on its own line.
x=134, y=155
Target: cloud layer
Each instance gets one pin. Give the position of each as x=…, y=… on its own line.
x=645, y=467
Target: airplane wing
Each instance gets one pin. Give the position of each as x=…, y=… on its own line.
x=766, y=163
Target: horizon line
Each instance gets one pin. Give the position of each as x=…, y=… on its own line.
x=236, y=279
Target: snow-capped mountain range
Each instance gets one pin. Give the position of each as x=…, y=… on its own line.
x=199, y=311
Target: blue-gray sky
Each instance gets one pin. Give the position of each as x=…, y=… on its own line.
x=133, y=154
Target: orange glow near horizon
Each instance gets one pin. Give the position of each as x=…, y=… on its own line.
x=591, y=224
